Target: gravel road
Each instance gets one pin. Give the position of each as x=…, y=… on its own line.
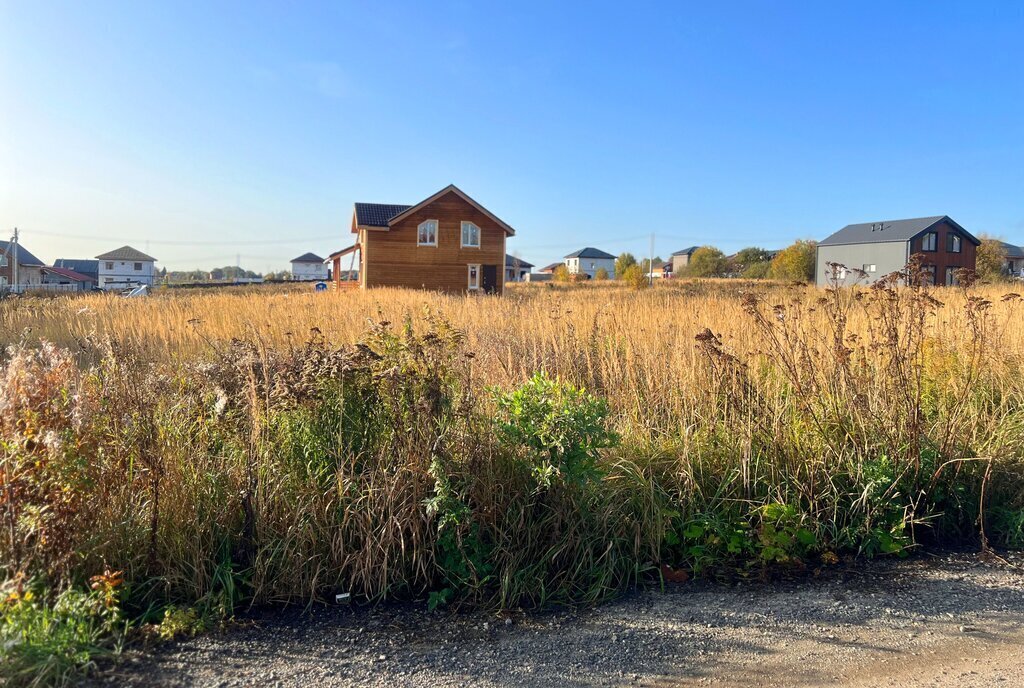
x=949, y=620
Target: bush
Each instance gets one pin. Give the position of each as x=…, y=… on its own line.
x=707, y=261
x=634, y=276
x=600, y=275
x=561, y=274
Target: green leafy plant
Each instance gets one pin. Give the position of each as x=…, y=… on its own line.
x=559, y=428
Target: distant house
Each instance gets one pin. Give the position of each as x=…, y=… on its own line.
x=678, y=261
x=1013, y=259
x=309, y=267
x=516, y=269
x=870, y=250
x=89, y=268
x=124, y=268
x=587, y=261
x=548, y=269
x=447, y=242
x=67, y=279
x=29, y=268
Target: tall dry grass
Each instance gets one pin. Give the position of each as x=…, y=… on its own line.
x=258, y=446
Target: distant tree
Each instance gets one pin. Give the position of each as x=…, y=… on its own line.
x=989, y=264
x=634, y=276
x=561, y=274
x=707, y=261
x=622, y=263
x=217, y=274
x=795, y=262
x=645, y=264
x=757, y=270
x=600, y=275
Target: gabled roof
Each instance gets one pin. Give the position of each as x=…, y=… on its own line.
x=383, y=215
x=24, y=256
x=127, y=253
x=67, y=272
x=590, y=252
x=1011, y=251
x=308, y=258
x=891, y=231
x=77, y=264
x=551, y=268
x=686, y=251
x=377, y=214
x=512, y=261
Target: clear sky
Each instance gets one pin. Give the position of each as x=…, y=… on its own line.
x=206, y=131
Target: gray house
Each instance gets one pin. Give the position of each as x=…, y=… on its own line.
x=1013, y=259
x=877, y=249
x=680, y=259
x=589, y=260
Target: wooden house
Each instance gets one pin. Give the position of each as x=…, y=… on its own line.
x=448, y=242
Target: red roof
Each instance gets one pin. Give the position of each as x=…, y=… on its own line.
x=69, y=273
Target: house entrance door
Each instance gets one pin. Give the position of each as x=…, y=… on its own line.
x=490, y=283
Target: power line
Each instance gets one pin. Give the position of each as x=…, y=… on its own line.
x=169, y=242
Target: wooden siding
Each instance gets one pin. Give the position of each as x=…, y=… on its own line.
x=391, y=258
x=941, y=258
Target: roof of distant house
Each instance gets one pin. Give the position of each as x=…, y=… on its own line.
x=69, y=273
x=890, y=230
x=25, y=256
x=550, y=268
x=590, y=252
x=79, y=265
x=512, y=261
x=127, y=253
x=308, y=258
x=1011, y=251
x=686, y=251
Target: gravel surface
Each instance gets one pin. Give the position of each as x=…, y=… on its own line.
x=949, y=620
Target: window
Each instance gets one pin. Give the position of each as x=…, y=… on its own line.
x=138, y=267
x=3, y=260
x=953, y=243
x=470, y=235
x=474, y=278
x=110, y=265
x=426, y=233
x=927, y=274
x=869, y=268
x=952, y=278
x=930, y=241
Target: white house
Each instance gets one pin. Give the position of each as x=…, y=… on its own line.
x=309, y=267
x=588, y=261
x=124, y=268
x=516, y=269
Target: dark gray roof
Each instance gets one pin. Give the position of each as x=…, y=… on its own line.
x=308, y=258
x=25, y=256
x=889, y=230
x=686, y=251
x=83, y=266
x=590, y=252
x=126, y=253
x=512, y=261
x=377, y=214
x=1011, y=251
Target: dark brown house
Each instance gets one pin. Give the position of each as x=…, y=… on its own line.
x=448, y=242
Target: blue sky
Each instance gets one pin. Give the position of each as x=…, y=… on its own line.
x=202, y=132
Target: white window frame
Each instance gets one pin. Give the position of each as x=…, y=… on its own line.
x=869, y=268
x=470, y=225
x=956, y=244
x=437, y=227
x=470, y=286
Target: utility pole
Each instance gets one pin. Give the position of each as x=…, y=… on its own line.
x=650, y=263
x=14, y=259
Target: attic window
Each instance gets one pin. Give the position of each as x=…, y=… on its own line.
x=426, y=233
x=929, y=242
x=953, y=243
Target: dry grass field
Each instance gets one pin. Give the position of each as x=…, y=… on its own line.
x=194, y=453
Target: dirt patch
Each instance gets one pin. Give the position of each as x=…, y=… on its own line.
x=946, y=620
